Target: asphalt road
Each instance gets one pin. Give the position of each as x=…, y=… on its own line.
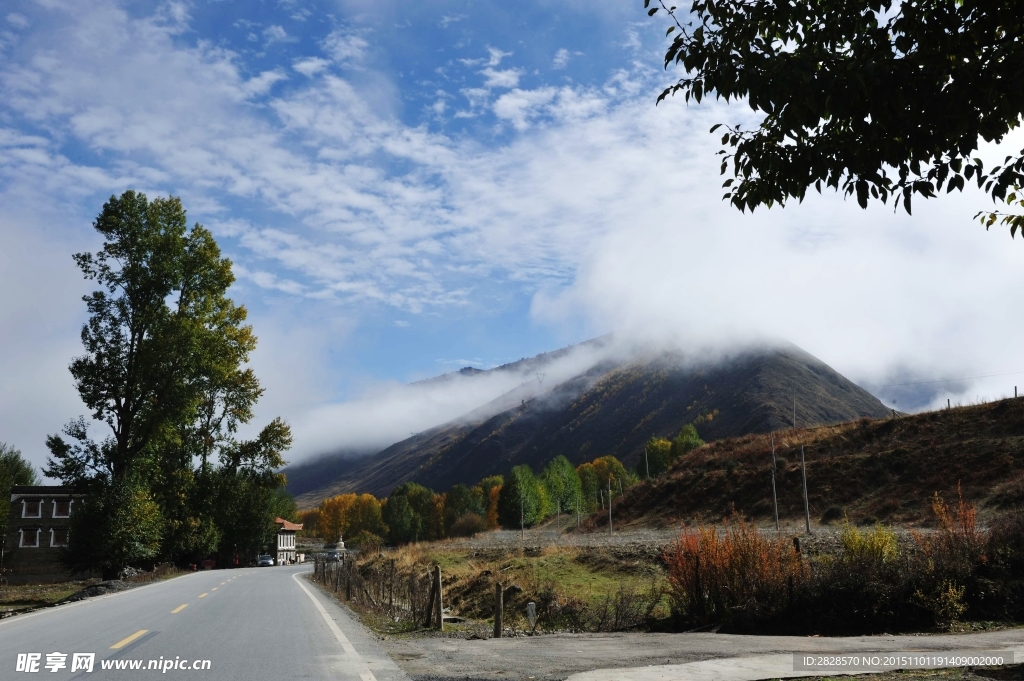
x=255, y=624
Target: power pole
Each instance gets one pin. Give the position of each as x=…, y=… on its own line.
x=647, y=462
x=775, y=496
x=807, y=505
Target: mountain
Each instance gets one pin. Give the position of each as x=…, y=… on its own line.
x=611, y=407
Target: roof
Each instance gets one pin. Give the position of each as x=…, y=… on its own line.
x=42, y=490
x=285, y=525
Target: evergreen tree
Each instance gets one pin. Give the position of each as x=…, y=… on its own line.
x=14, y=470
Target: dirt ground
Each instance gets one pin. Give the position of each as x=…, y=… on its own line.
x=557, y=656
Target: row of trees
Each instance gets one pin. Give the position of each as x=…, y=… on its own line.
x=413, y=512
x=164, y=373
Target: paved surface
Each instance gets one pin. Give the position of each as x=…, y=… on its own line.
x=256, y=624
x=655, y=657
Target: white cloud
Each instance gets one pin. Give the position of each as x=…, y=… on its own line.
x=561, y=59
x=343, y=46
x=505, y=79
x=276, y=34
x=261, y=84
x=17, y=20
x=495, y=56
x=448, y=20
x=388, y=412
x=518, y=106
x=311, y=66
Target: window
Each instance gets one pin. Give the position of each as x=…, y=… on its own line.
x=29, y=537
x=59, y=536
x=31, y=508
x=61, y=508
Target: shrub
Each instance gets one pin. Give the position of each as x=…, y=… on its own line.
x=958, y=546
x=715, y=575
x=1006, y=544
x=863, y=587
x=365, y=541
x=876, y=546
x=469, y=525
x=832, y=514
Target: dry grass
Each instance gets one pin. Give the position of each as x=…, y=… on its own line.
x=16, y=598
x=574, y=589
x=868, y=470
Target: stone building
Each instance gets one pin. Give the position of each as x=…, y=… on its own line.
x=37, y=532
x=286, y=533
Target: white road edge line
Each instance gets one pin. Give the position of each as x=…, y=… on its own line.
x=346, y=645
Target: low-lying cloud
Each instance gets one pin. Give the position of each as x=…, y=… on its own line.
x=391, y=412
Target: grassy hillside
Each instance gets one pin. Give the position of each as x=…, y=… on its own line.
x=611, y=409
x=872, y=470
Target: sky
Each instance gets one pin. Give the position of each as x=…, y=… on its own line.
x=408, y=188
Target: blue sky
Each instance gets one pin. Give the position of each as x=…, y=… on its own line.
x=407, y=188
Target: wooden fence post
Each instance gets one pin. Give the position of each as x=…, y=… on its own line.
x=430, y=603
x=499, y=606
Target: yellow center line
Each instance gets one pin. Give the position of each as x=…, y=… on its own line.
x=213, y=589
x=179, y=609
x=203, y=595
x=125, y=641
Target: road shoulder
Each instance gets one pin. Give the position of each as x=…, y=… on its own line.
x=358, y=643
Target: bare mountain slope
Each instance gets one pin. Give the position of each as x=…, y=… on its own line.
x=612, y=408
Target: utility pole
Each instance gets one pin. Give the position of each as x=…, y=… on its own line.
x=807, y=505
x=794, y=412
x=775, y=496
x=647, y=462
x=609, y=505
